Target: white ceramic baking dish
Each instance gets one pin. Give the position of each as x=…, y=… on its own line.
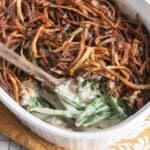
x=103, y=139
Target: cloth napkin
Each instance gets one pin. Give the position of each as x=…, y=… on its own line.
x=11, y=127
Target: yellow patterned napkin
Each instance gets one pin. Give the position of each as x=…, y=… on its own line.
x=140, y=141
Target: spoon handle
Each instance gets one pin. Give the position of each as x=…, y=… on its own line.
x=26, y=66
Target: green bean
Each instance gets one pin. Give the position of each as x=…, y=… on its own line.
x=84, y=119
x=94, y=119
x=97, y=119
x=91, y=109
x=112, y=101
x=98, y=105
x=36, y=101
x=53, y=112
x=74, y=101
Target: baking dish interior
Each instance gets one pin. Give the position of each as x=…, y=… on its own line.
x=129, y=7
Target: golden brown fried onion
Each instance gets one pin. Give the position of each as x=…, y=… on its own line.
x=74, y=37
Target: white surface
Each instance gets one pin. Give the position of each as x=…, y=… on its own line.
x=90, y=140
x=7, y=144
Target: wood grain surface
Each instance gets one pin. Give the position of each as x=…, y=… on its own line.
x=11, y=127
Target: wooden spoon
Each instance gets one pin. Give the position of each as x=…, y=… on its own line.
x=26, y=66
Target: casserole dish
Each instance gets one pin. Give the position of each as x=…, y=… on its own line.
x=103, y=139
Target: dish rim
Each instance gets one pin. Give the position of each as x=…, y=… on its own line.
x=14, y=107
